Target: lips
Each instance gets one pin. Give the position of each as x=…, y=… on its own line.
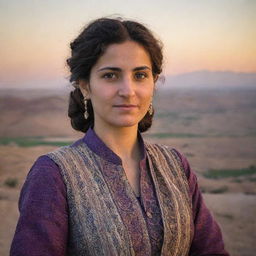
x=125, y=106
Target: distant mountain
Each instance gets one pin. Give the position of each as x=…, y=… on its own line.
x=211, y=80
x=199, y=79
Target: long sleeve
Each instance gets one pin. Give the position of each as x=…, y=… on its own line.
x=42, y=227
x=207, y=240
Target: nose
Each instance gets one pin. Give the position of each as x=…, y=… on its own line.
x=126, y=87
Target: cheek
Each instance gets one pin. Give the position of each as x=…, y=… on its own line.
x=146, y=95
x=100, y=100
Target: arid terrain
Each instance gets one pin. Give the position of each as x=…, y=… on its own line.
x=214, y=129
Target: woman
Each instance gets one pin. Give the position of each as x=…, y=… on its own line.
x=111, y=193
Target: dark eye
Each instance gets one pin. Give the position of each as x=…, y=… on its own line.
x=109, y=76
x=140, y=75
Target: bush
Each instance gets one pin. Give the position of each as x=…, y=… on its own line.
x=11, y=182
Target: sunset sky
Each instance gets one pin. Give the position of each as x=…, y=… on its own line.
x=197, y=35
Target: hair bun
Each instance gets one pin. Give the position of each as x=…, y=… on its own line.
x=76, y=110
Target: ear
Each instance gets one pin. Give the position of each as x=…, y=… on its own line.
x=84, y=88
x=156, y=78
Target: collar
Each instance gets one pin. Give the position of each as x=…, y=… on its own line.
x=92, y=140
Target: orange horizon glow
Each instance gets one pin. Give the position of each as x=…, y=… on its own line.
x=196, y=36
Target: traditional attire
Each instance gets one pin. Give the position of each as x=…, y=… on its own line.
x=77, y=201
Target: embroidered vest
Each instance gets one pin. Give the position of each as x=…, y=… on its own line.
x=98, y=224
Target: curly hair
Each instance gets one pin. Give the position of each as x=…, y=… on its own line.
x=90, y=45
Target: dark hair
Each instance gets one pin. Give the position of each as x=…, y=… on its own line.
x=90, y=45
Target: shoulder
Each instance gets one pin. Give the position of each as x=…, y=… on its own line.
x=168, y=151
x=65, y=153
x=44, y=170
x=43, y=166
x=155, y=149
x=42, y=182
x=67, y=149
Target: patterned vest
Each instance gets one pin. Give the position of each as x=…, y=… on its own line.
x=96, y=225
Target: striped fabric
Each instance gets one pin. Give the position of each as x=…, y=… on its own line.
x=105, y=218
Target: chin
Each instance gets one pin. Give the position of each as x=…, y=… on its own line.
x=123, y=125
x=126, y=123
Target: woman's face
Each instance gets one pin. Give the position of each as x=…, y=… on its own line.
x=121, y=86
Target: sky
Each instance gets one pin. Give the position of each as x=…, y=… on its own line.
x=215, y=35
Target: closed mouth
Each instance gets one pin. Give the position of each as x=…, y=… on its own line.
x=125, y=106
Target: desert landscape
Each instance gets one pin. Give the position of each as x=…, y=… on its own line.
x=215, y=129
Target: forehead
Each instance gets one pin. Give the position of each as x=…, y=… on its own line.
x=125, y=55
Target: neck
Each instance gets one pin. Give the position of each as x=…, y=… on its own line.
x=122, y=141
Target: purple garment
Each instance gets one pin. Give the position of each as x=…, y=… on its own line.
x=42, y=227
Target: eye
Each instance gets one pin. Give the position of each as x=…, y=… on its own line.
x=141, y=75
x=109, y=76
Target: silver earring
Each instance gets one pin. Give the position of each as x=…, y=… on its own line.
x=86, y=114
x=150, y=109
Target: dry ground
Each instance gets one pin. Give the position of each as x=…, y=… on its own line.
x=213, y=129
x=235, y=209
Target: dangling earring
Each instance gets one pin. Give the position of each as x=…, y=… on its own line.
x=86, y=114
x=150, y=109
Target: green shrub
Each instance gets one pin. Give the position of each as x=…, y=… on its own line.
x=226, y=173
x=31, y=142
x=11, y=182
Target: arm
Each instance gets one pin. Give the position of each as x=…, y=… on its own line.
x=207, y=240
x=43, y=223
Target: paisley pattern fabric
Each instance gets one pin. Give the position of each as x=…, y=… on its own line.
x=175, y=203
x=151, y=211
x=105, y=217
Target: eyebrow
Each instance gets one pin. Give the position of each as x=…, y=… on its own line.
x=119, y=69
